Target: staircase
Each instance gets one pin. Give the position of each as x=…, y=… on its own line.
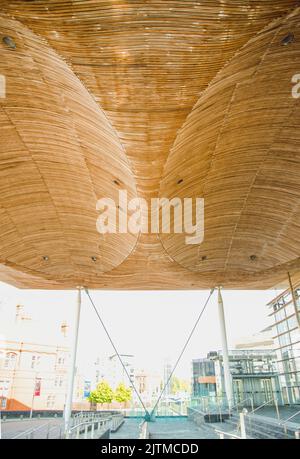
x=263, y=427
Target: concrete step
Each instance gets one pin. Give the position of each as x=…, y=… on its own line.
x=258, y=426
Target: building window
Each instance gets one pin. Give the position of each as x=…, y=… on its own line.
x=58, y=382
x=61, y=361
x=4, y=391
x=284, y=340
x=10, y=360
x=3, y=402
x=282, y=327
x=280, y=315
x=35, y=361
x=50, y=401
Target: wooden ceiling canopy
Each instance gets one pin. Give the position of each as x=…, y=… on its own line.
x=161, y=98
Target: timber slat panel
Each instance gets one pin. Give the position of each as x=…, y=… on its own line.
x=149, y=93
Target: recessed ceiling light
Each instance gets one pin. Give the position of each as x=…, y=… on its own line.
x=116, y=182
x=9, y=41
x=179, y=181
x=252, y=257
x=289, y=38
x=45, y=258
x=203, y=258
x=94, y=258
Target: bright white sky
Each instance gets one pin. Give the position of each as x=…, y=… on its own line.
x=152, y=325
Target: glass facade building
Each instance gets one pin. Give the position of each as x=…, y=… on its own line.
x=286, y=330
x=203, y=378
x=254, y=375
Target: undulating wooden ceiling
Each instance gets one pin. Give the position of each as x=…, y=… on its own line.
x=161, y=98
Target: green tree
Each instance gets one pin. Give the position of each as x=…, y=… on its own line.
x=102, y=394
x=179, y=385
x=93, y=397
x=122, y=393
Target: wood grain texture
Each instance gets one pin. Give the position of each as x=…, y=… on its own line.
x=182, y=107
x=59, y=155
x=240, y=150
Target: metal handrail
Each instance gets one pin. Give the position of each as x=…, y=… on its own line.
x=264, y=404
x=111, y=422
x=243, y=401
x=29, y=432
x=22, y=434
x=59, y=427
x=143, y=430
x=78, y=417
x=85, y=426
x=273, y=400
x=222, y=434
x=284, y=421
x=116, y=421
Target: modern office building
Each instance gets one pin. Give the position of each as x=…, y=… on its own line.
x=203, y=378
x=254, y=375
x=261, y=340
x=284, y=310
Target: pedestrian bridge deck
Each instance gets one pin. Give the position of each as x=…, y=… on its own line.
x=165, y=428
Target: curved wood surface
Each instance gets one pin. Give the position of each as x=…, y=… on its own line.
x=239, y=150
x=145, y=94
x=59, y=155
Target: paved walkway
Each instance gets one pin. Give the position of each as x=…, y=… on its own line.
x=12, y=428
x=165, y=428
x=178, y=429
x=129, y=429
x=162, y=428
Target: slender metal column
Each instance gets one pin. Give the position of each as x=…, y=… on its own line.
x=70, y=388
x=294, y=299
x=227, y=375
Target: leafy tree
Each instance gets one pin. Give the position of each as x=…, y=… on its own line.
x=179, y=385
x=122, y=393
x=102, y=394
x=93, y=397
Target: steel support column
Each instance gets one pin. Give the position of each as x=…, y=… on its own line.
x=294, y=300
x=70, y=388
x=227, y=375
